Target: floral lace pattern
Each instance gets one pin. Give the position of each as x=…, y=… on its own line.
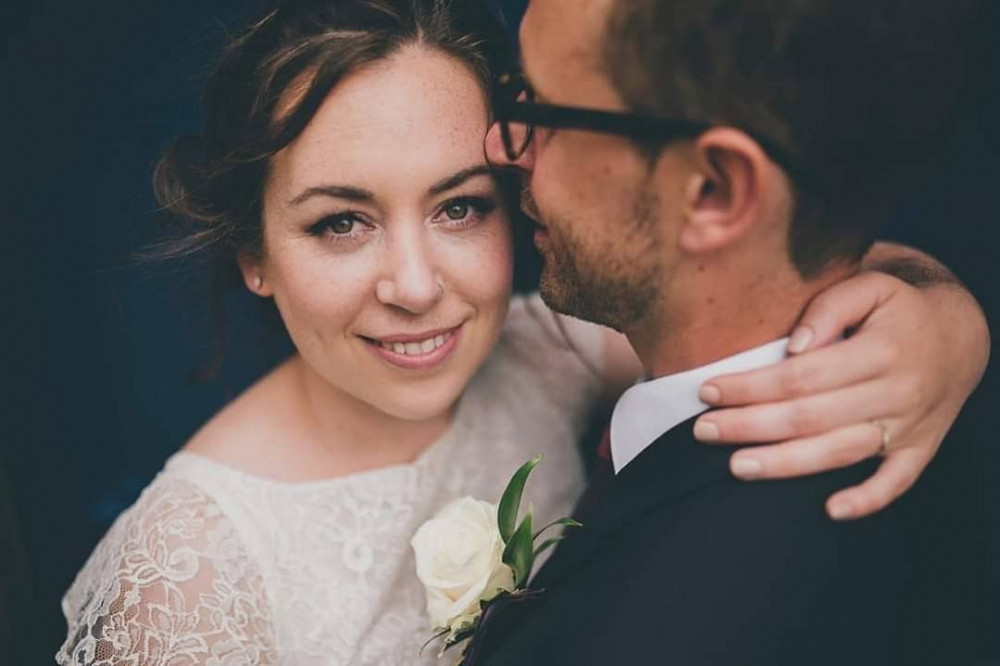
x=215, y=566
x=170, y=584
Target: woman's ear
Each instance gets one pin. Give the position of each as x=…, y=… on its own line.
x=253, y=275
x=723, y=196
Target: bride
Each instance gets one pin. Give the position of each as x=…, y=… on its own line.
x=341, y=171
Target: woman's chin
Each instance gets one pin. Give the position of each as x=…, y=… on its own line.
x=422, y=405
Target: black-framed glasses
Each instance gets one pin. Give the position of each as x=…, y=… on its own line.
x=515, y=104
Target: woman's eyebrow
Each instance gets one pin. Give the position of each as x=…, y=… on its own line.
x=453, y=181
x=361, y=195
x=348, y=192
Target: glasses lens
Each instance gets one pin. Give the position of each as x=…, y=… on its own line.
x=516, y=135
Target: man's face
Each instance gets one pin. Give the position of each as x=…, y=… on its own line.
x=600, y=231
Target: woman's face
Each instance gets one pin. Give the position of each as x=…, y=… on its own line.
x=386, y=246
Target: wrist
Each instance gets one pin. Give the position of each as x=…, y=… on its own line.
x=964, y=327
x=909, y=265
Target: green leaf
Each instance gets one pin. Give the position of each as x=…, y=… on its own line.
x=456, y=637
x=546, y=545
x=518, y=554
x=440, y=634
x=568, y=522
x=510, y=502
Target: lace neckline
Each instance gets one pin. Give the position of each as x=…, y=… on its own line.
x=435, y=452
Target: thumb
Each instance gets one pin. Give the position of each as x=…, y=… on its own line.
x=839, y=308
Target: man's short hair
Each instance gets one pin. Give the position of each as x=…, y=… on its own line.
x=855, y=92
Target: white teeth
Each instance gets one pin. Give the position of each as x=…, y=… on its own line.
x=417, y=348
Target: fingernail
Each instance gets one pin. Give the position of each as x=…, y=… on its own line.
x=841, y=510
x=706, y=431
x=800, y=339
x=710, y=394
x=745, y=468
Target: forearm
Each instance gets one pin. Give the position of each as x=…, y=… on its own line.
x=916, y=268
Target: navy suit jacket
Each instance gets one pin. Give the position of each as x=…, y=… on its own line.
x=682, y=564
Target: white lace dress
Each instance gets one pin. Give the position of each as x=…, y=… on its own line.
x=214, y=566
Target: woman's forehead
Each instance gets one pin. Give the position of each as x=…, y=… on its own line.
x=418, y=112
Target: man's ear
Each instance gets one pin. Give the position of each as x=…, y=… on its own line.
x=723, y=196
x=253, y=275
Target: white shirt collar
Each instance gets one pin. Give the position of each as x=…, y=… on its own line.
x=647, y=410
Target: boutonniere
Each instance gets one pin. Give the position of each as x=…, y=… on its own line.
x=474, y=553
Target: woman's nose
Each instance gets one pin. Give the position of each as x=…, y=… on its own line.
x=411, y=283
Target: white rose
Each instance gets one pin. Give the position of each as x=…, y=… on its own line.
x=459, y=560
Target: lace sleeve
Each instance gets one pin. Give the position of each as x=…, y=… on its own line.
x=171, y=583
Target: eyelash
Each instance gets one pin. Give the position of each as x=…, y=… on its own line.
x=324, y=228
x=479, y=207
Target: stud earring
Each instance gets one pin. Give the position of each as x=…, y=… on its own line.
x=258, y=282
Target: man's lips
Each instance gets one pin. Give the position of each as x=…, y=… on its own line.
x=541, y=238
x=537, y=224
x=541, y=235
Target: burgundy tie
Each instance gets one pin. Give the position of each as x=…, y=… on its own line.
x=601, y=476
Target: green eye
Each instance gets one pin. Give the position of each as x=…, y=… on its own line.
x=341, y=225
x=457, y=210
x=346, y=227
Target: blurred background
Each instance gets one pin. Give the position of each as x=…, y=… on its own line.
x=101, y=351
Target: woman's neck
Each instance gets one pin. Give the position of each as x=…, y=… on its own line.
x=346, y=434
x=293, y=426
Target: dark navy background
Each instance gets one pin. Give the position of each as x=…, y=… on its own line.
x=101, y=350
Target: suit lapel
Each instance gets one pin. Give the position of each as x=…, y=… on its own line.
x=673, y=466
x=670, y=468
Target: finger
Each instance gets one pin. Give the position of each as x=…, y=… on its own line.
x=838, y=308
x=801, y=417
x=800, y=457
x=836, y=366
x=894, y=477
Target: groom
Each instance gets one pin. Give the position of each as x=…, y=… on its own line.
x=699, y=171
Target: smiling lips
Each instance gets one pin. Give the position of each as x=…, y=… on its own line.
x=420, y=348
x=416, y=353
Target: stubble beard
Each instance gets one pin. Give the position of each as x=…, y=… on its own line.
x=613, y=281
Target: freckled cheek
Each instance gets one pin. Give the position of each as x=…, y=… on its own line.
x=322, y=298
x=482, y=270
